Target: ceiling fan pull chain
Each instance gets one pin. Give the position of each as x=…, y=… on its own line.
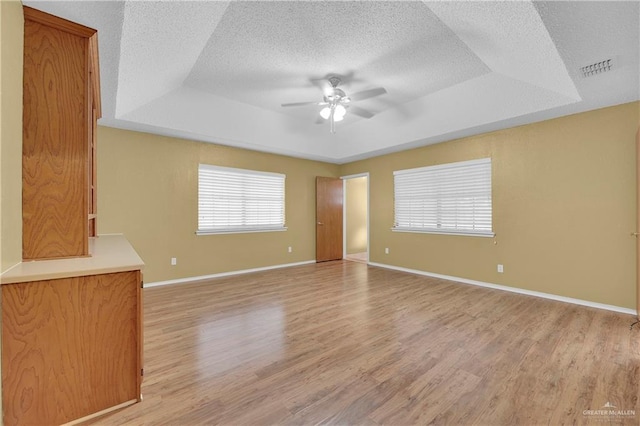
x=332, y=121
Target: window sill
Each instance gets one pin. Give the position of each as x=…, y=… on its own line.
x=484, y=234
x=239, y=231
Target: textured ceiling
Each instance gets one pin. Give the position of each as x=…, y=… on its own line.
x=265, y=53
x=219, y=71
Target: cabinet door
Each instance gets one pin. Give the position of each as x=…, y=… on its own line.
x=70, y=347
x=56, y=125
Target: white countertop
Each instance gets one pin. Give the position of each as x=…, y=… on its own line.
x=109, y=253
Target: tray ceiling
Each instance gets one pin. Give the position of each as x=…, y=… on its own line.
x=218, y=71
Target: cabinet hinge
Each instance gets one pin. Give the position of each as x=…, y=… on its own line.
x=142, y=371
x=141, y=284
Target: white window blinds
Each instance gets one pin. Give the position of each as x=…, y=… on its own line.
x=238, y=200
x=452, y=198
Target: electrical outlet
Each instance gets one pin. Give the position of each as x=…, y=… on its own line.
x=174, y=261
x=500, y=268
x=386, y=250
x=289, y=249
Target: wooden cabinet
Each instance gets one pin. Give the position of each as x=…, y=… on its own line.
x=72, y=321
x=70, y=347
x=72, y=335
x=61, y=104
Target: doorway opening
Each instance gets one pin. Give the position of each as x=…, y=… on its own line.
x=356, y=218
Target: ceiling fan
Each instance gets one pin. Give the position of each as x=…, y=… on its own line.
x=336, y=102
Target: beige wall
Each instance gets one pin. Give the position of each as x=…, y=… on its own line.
x=11, y=41
x=11, y=30
x=148, y=190
x=563, y=199
x=563, y=208
x=356, y=217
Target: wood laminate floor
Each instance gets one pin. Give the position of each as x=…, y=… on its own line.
x=346, y=343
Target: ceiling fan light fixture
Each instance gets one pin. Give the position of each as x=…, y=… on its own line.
x=338, y=112
x=335, y=102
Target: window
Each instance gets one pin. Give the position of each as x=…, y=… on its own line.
x=452, y=198
x=237, y=200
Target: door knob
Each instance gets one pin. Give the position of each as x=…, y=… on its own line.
x=320, y=223
x=635, y=234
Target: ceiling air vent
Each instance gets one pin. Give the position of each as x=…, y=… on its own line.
x=597, y=68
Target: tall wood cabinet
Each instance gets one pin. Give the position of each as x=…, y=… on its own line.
x=72, y=310
x=60, y=107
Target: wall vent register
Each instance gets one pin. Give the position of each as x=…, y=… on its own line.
x=598, y=67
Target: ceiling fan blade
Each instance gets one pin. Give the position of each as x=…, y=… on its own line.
x=366, y=94
x=360, y=112
x=322, y=84
x=301, y=104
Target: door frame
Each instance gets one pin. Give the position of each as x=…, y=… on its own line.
x=344, y=212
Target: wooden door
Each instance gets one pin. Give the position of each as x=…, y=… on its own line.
x=328, y=219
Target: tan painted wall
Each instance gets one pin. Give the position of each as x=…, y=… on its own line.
x=11, y=29
x=356, y=195
x=148, y=190
x=563, y=208
x=11, y=42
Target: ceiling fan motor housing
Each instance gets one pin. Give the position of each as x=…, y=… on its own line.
x=335, y=81
x=338, y=95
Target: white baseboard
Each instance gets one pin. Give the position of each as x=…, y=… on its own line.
x=511, y=289
x=225, y=274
